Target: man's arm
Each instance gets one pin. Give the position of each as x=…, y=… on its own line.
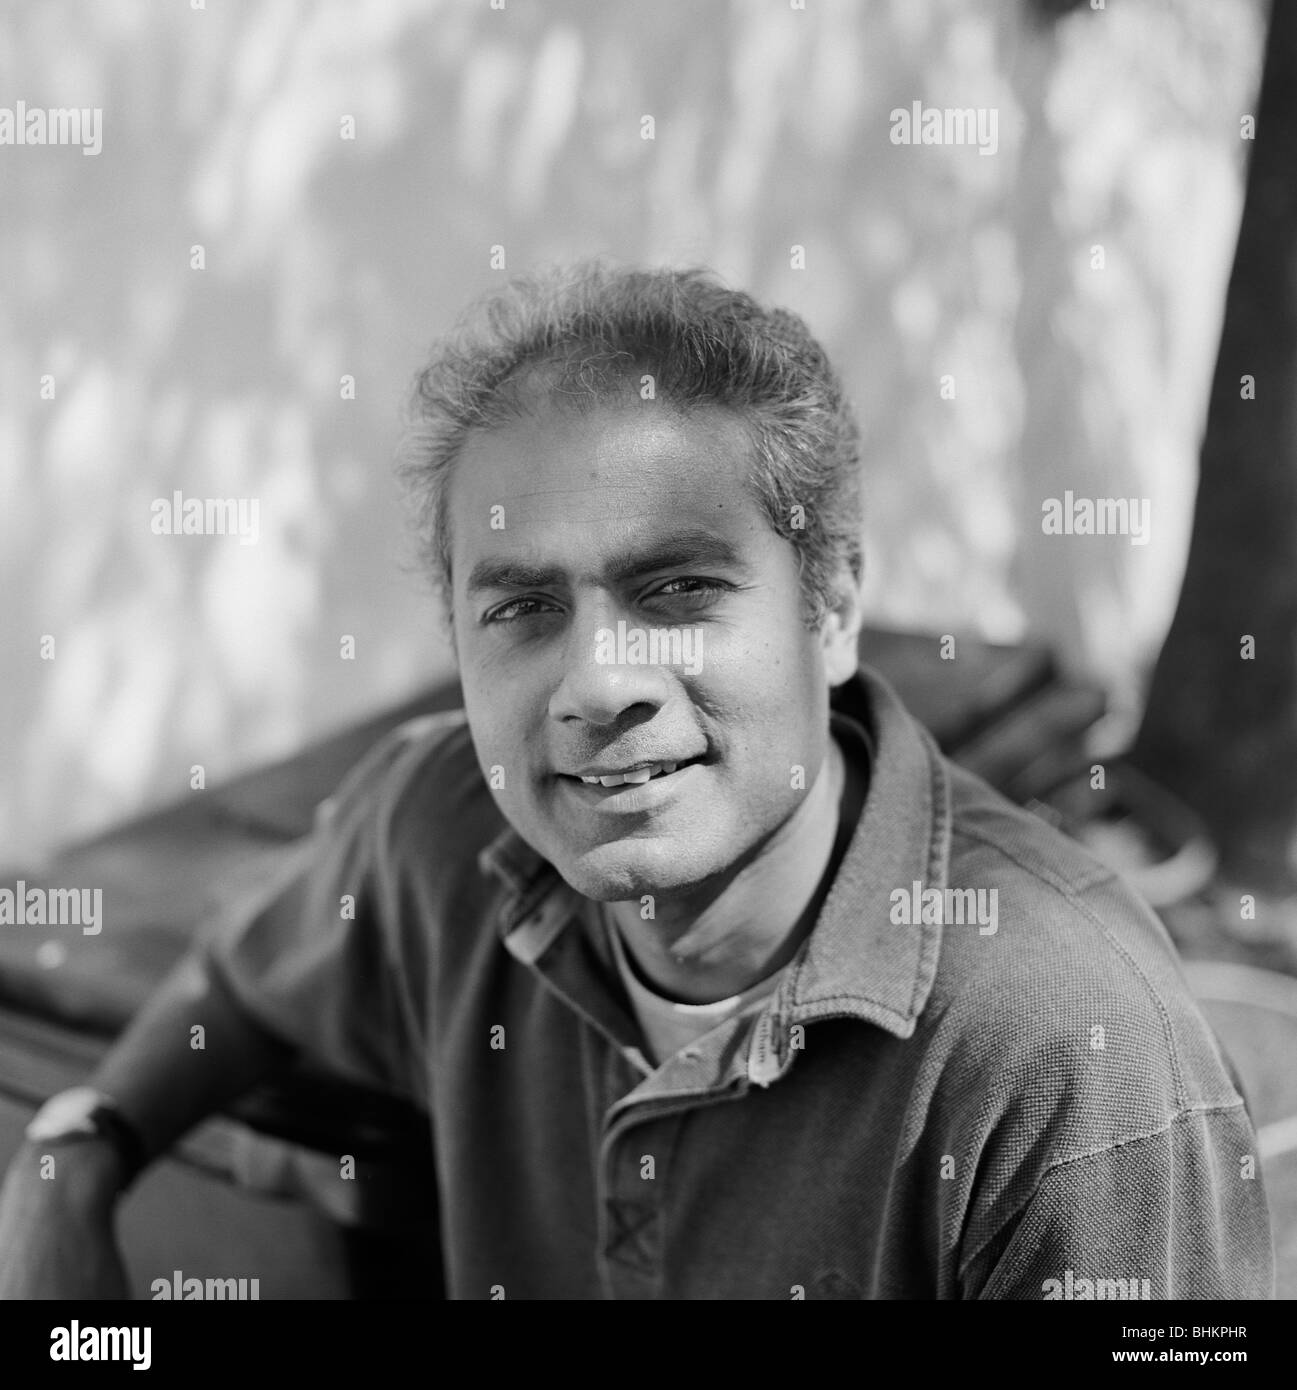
x=1177, y=1214
x=332, y=979
x=56, y=1236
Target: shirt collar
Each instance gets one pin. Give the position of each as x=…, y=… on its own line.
x=856, y=962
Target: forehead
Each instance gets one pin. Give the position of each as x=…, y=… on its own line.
x=598, y=480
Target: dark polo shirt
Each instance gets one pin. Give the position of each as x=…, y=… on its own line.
x=921, y=1110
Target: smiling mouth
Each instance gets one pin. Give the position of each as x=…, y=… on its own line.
x=635, y=775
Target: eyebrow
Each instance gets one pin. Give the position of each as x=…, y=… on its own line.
x=688, y=547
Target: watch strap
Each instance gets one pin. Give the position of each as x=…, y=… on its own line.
x=124, y=1137
x=85, y=1113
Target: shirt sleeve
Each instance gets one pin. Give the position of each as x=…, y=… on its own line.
x=1179, y=1214
x=312, y=953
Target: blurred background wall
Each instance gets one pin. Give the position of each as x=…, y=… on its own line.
x=292, y=197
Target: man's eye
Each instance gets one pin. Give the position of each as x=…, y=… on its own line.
x=689, y=587
x=514, y=609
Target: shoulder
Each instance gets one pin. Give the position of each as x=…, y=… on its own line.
x=1066, y=1042
x=420, y=789
x=1077, y=998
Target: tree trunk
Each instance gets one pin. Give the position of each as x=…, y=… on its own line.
x=1220, y=728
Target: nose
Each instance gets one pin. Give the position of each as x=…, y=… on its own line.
x=596, y=687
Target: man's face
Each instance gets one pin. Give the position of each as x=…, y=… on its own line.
x=565, y=525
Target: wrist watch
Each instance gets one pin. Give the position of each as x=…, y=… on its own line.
x=85, y=1113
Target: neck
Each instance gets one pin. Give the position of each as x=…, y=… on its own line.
x=698, y=951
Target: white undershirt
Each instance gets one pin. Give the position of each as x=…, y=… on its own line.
x=669, y=1026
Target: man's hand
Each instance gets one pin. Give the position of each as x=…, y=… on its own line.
x=56, y=1233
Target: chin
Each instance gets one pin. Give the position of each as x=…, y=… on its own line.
x=632, y=869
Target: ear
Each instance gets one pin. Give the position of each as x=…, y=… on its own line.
x=840, y=632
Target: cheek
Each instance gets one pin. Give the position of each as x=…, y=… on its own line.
x=781, y=668
x=489, y=719
x=488, y=688
x=786, y=710
x=503, y=721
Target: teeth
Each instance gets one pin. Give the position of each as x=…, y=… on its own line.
x=636, y=776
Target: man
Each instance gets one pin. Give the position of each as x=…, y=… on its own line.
x=710, y=988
